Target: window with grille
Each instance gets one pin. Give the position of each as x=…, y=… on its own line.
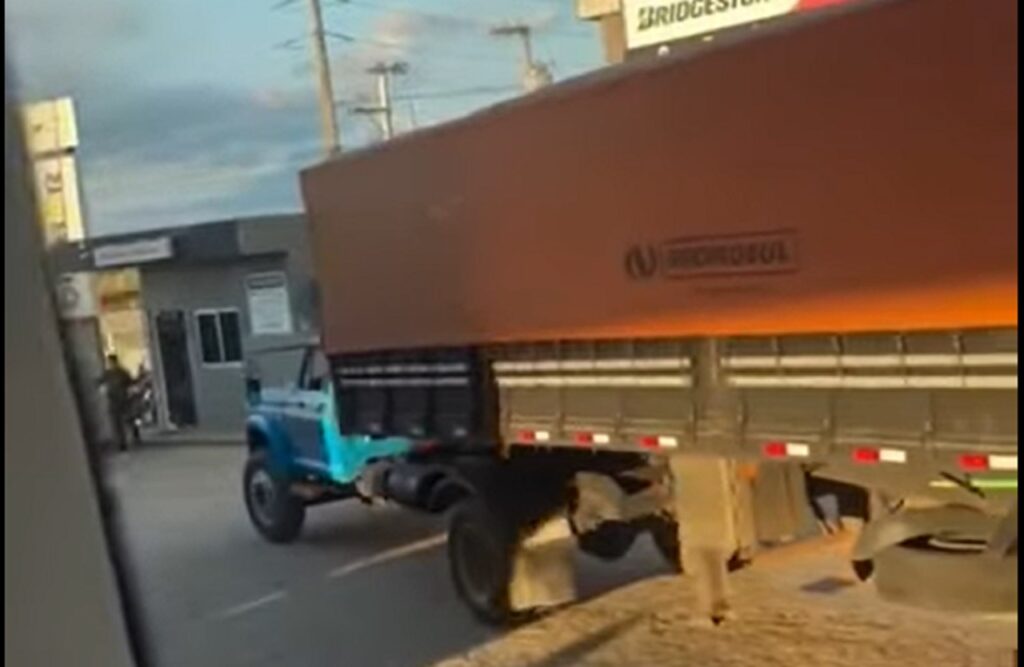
x=220, y=336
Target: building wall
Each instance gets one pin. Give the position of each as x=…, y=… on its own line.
x=219, y=389
x=288, y=234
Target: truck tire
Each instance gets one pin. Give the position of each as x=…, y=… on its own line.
x=609, y=541
x=481, y=547
x=920, y=575
x=276, y=513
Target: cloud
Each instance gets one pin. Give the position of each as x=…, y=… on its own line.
x=155, y=151
x=160, y=149
x=135, y=195
x=59, y=46
x=399, y=36
x=174, y=155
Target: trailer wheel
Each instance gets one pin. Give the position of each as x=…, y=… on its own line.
x=481, y=544
x=609, y=541
x=922, y=573
x=276, y=513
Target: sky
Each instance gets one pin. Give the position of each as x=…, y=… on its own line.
x=198, y=110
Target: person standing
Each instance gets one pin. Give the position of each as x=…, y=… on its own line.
x=116, y=382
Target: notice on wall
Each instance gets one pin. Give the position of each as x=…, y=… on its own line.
x=270, y=310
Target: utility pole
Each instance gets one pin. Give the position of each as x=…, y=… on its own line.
x=384, y=109
x=325, y=90
x=535, y=75
x=607, y=14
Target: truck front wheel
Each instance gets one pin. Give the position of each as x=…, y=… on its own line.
x=276, y=513
x=481, y=546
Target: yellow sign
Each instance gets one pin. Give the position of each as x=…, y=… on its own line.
x=57, y=198
x=50, y=126
x=52, y=136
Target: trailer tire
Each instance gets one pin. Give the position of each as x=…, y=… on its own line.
x=277, y=514
x=922, y=576
x=611, y=540
x=481, y=547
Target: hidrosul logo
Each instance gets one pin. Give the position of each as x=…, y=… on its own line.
x=726, y=255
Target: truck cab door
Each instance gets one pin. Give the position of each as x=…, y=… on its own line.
x=309, y=404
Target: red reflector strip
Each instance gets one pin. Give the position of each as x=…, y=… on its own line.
x=784, y=449
x=586, y=438
x=658, y=441
x=649, y=441
x=866, y=455
x=974, y=461
x=534, y=436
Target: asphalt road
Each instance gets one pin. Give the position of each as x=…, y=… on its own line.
x=364, y=586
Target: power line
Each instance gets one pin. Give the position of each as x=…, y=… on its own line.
x=446, y=94
x=464, y=92
x=430, y=52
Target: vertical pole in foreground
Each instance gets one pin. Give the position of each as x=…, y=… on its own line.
x=325, y=91
x=384, y=100
x=712, y=507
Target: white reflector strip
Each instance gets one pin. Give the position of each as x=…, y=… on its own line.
x=997, y=462
x=797, y=449
x=876, y=382
x=873, y=361
x=548, y=365
x=595, y=381
x=887, y=455
x=403, y=369
x=404, y=382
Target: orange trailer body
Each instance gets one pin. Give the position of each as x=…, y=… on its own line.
x=856, y=174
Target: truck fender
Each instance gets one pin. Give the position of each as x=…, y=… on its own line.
x=904, y=525
x=261, y=432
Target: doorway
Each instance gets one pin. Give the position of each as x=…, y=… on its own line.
x=172, y=340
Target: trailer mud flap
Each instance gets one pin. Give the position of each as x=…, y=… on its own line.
x=542, y=569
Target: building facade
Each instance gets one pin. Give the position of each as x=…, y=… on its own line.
x=205, y=296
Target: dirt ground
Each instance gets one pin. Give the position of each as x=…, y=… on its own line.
x=796, y=607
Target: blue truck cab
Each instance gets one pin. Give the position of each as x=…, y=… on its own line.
x=297, y=453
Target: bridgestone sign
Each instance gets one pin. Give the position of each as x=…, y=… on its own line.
x=650, y=22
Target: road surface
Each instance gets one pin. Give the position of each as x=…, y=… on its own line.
x=364, y=586
x=369, y=587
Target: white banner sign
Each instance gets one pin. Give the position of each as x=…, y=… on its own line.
x=651, y=22
x=270, y=309
x=135, y=252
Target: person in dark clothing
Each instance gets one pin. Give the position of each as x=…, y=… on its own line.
x=117, y=383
